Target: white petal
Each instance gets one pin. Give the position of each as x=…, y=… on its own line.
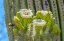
x=39, y=23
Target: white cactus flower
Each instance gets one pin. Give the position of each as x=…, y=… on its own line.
x=44, y=12
x=26, y=13
x=39, y=22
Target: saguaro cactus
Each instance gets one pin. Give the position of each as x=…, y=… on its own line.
x=13, y=6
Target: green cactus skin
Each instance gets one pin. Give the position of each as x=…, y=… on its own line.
x=61, y=14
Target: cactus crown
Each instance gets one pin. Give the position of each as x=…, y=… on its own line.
x=41, y=26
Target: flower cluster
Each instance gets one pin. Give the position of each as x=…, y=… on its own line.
x=41, y=25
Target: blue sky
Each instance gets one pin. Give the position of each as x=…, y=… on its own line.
x=3, y=29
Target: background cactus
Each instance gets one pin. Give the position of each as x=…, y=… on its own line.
x=13, y=6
